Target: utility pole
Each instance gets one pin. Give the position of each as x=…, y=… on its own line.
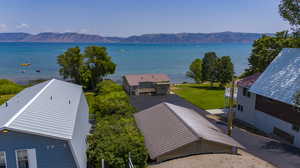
x=230, y=112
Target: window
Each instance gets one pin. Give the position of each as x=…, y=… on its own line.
x=246, y=92
x=296, y=128
x=22, y=159
x=3, y=160
x=26, y=158
x=240, y=108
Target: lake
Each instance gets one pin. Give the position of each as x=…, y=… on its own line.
x=171, y=59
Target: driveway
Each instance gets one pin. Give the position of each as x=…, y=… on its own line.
x=270, y=150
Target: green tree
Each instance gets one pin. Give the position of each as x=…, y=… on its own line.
x=113, y=138
x=290, y=11
x=195, y=71
x=209, y=67
x=225, y=70
x=266, y=49
x=88, y=68
x=70, y=63
x=99, y=63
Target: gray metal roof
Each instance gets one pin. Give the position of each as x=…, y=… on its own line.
x=55, y=109
x=281, y=80
x=167, y=127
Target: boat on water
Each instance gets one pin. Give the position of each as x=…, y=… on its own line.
x=25, y=64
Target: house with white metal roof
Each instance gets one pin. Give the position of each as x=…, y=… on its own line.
x=172, y=131
x=266, y=101
x=45, y=126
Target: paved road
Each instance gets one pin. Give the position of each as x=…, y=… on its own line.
x=270, y=150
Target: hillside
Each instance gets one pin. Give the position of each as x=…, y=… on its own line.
x=146, y=38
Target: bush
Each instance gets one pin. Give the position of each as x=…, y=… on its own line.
x=115, y=133
x=108, y=86
x=9, y=87
x=113, y=139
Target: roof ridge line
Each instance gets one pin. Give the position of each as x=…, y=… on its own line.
x=28, y=104
x=177, y=116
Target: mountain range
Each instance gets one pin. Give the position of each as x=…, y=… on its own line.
x=220, y=37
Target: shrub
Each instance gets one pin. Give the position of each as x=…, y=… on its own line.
x=114, y=137
x=9, y=87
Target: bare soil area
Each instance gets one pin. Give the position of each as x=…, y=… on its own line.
x=243, y=160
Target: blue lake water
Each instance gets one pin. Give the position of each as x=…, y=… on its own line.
x=172, y=59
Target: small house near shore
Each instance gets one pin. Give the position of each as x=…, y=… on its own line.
x=45, y=126
x=266, y=101
x=172, y=131
x=147, y=84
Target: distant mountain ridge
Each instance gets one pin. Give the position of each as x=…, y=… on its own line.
x=146, y=38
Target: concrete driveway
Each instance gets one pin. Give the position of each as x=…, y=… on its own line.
x=270, y=150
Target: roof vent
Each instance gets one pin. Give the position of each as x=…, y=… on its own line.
x=51, y=98
x=69, y=101
x=6, y=104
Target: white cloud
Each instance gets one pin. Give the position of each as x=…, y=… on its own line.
x=22, y=26
x=83, y=31
x=3, y=27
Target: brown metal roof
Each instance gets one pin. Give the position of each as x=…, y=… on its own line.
x=249, y=80
x=167, y=127
x=134, y=80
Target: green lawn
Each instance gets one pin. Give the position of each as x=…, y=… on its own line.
x=201, y=95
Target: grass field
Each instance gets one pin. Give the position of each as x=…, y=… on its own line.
x=201, y=95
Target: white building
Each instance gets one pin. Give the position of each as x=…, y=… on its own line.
x=266, y=101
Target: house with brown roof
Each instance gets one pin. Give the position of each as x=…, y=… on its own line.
x=172, y=131
x=147, y=84
x=266, y=101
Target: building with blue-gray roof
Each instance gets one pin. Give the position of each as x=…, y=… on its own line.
x=268, y=101
x=45, y=125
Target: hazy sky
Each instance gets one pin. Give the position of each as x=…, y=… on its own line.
x=134, y=17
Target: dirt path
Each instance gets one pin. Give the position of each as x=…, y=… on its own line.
x=244, y=160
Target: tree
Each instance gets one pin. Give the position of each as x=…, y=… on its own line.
x=290, y=11
x=195, y=71
x=266, y=49
x=99, y=63
x=225, y=70
x=209, y=67
x=88, y=68
x=70, y=63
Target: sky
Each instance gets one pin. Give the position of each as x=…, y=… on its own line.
x=136, y=17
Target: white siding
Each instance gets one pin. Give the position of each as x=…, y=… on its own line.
x=248, y=103
x=261, y=120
